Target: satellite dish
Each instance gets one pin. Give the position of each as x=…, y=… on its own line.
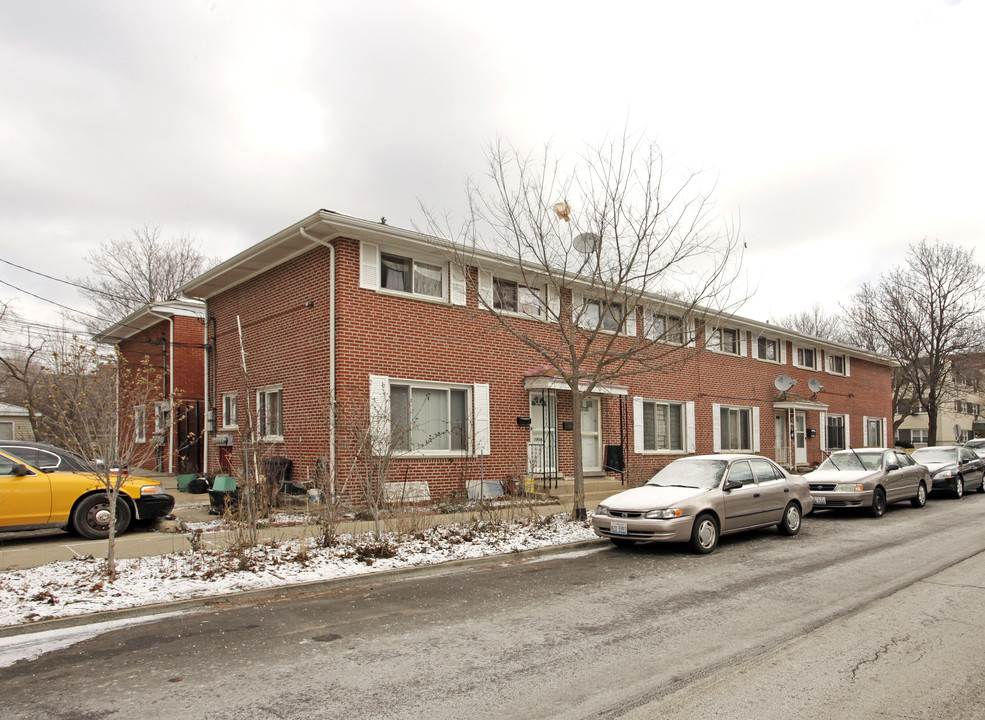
x=586, y=242
x=784, y=382
x=815, y=385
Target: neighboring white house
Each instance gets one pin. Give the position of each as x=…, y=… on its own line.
x=15, y=423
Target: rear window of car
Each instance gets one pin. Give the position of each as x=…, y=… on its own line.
x=945, y=455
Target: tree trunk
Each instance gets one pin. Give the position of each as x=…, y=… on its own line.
x=578, y=511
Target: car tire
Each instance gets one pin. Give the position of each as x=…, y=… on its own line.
x=921, y=497
x=959, y=487
x=792, y=519
x=90, y=518
x=878, y=507
x=622, y=542
x=704, y=534
x=981, y=488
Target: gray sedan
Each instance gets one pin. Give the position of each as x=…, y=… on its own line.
x=697, y=499
x=868, y=478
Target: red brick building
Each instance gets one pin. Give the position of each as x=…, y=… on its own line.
x=168, y=339
x=379, y=316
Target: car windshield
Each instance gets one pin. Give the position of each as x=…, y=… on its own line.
x=937, y=455
x=705, y=474
x=975, y=444
x=851, y=460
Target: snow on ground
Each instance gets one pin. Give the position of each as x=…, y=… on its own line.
x=78, y=586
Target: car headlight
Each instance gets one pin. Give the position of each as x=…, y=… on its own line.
x=601, y=510
x=664, y=514
x=944, y=475
x=152, y=490
x=849, y=487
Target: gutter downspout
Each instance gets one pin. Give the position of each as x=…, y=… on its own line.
x=170, y=390
x=331, y=360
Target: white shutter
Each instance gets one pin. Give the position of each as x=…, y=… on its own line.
x=369, y=265
x=716, y=427
x=848, y=369
x=783, y=351
x=577, y=309
x=485, y=289
x=743, y=345
x=379, y=413
x=638, y=425
x=553, y=303
x=480, y=421
x=823, y=430
x=848, y=433
x=755, y=429
x=885, y=427
x=631, y=322
x=709, y=331
x=689, y=423
x=690, y=332
x=456, y=284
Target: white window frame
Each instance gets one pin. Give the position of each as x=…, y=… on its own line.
x=716, y=346
x=687, y=427
x=796, y=357
x=753, y=411
x=453, y=281
x=924, y=436
x=670, y=323
x=230, y=410
x=579, y=304
x=781, y=349
x=488, y=299
x=825, y=444
x=829, y=356
x=865, y=430
x=263, y=426
x=477, y=439
x=140, y=424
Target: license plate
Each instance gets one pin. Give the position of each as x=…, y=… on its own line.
x=618, y=528
x=820, y=501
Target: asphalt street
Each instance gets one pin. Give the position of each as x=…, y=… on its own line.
x=853, y=618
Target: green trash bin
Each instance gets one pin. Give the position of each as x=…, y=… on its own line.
x=183, y=481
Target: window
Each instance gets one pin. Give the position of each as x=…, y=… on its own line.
x=806, y=357
x=873, y=432
x=402, y=274
x=515, y=297
x=919, y=436
x=663, y=426
x=724, y=340
x=768, y=349
x=229, y=409
x=668, y=328
x=766, y=471
x=428, y=418
x=835, y=432
x=140, y=424
x=604, y=316
x=7, y=430
x=734, y=428
x=837, y=364
x=270, y=413
x=741, y=472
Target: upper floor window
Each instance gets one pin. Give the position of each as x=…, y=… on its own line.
x=668, y=328
x=229, y=409
x=604, y=316
x=511, y=296
x=836, y=364
x=140, y=424
x=724, y=340
x=270, y=413
x=770, y=349
x=805, y=357
x=403, y=274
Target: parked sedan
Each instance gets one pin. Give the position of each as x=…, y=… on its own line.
x=697, y=499
x=45, y=457
x=977, y=446
x=953, y=468
x=868, y=478
x=31, y=499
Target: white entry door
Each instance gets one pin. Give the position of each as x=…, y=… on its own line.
x=591, y=435
x=780, y=433
x=800, y=437
x=542, y=450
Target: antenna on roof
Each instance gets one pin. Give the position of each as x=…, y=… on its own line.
x=784, y=382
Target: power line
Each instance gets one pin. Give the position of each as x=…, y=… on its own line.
x=65, y=282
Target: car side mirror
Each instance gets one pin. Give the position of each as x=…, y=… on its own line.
x=892, y=466
x=20, y=470
x=732, y=485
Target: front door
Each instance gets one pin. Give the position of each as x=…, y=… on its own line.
x=542, y=450
x=591, y=435
x=800, y=437
x=780, y=433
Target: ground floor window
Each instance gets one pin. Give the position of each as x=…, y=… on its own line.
x=140, y=424
x=428, y=418
x=874, y=432
x=663, y=425
x=835, y=431
x=270, y=413
x=229, y=408
x=735, y=428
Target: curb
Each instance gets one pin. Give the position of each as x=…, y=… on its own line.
x=237, y=599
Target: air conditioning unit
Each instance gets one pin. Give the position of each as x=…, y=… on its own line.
x=223, y=440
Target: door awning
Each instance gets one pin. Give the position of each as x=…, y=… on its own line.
x=548, y=382
x=793, y=401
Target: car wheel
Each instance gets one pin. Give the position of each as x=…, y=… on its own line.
x=790, y=524
x=90, y=519
x=981, y=488
x=704, y=534
x=878, y=508
x=959, y=487
x=921, y=498
x=622, y=542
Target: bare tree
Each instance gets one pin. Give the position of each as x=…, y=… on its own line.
x=814, y=322
x=615, y=255
x=128, y=273
x=925, y=313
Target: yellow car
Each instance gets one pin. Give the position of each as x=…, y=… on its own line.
x=31, y=499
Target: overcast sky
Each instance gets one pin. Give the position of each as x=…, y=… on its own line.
x=839, y=132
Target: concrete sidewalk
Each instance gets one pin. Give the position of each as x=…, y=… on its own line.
x=24, y=550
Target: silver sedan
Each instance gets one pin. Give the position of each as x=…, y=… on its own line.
x=697, y=499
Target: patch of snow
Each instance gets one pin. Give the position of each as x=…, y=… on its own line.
x=79, y=586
